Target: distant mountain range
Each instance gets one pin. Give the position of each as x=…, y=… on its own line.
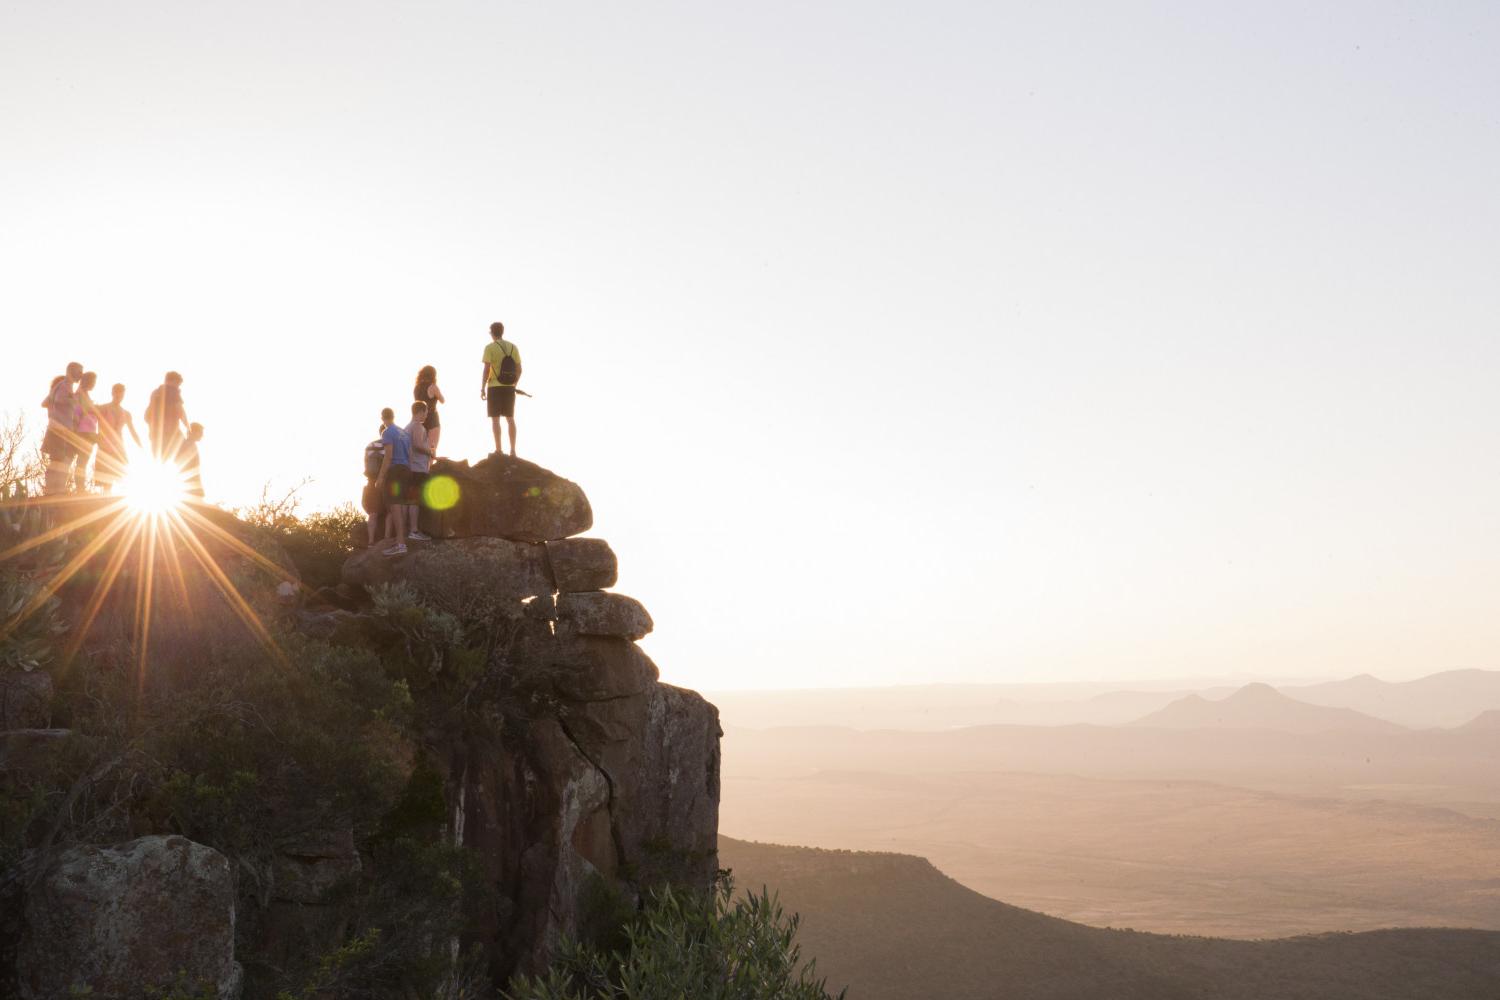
x=1446, y=699
x=1443, y=700
x=1260, y=706
x=892, y=927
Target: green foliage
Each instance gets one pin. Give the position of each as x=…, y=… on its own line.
x=338, y=969
x=29, y=628
x=317, y=543
x=698, y=945
x=429, y=643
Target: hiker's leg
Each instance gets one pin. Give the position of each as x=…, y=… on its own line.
x=495, y=426
x=433, y=436
x=511, y=426
x=400, y=511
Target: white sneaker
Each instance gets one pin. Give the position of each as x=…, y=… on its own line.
x=417, y=536
x=395, y=550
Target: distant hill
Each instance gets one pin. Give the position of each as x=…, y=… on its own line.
x=1445, y=699
x=1260, y=706
x=892, y=927
x=1483, y=723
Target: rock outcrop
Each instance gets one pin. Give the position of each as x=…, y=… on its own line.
x=25, y=699
x=538, y=738
x=588, y=780
x=114, y=921
x=502, y=497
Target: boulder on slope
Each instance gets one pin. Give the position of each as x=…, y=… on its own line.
x=503, y=497
x=25, y=699
x=112, y=921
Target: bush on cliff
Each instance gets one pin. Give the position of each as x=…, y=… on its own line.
x=316, y=543
x=703, y=945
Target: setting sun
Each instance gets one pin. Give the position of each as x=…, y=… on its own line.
x=153, y=486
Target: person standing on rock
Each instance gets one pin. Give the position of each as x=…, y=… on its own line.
x=502, y=370
x=395, y=476
x=166, y=418
x=192, y=462
x=421, y=456
x=114, y=421
x=61, y=441
x=88, y=425
x=426, y=391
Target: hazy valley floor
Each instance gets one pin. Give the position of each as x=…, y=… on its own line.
x=892, y=927
x=1171, y=857
x=1239, y=835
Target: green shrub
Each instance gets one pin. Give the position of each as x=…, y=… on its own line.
x=698, y=945
x=29, y=628
x=317, y=544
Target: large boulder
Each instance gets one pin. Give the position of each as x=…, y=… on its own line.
x=582, y=564
x=573, y=667
x=503, y=497
x=25, y=699
x=599, y=613
x=455, y=573
x=115, y=921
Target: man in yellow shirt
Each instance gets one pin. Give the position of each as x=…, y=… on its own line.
x=502, y=370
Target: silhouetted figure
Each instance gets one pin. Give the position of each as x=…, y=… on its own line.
x=114, y=421
x=60, y=444
x=421, y=458
x=88, y=426
x=167, y=418
x=394, y=480
x=373, y=497
x=191, y=462
x=502, y=370
x=426, y=391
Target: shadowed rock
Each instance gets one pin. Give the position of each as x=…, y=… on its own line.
x=503, y=497
x=113, y=921
x=599, y=613
x=582, y=564
x=453, y=572
x=25, y=699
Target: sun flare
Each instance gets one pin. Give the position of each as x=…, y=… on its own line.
x=153, y=486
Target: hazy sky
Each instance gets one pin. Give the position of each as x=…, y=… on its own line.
x=893, y=342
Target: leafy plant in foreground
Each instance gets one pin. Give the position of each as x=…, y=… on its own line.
x=703, y=945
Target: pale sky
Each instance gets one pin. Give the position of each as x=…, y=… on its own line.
x=893, y=342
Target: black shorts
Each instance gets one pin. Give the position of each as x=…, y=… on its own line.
x=433, y=421
x=398, y=485
x=55, y=445
x=502, y=400
x=418, y=484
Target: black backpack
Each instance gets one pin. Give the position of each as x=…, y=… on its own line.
x=507, y=373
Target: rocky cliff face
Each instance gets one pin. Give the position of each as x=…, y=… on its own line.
x=572, y=778
x=592, y=779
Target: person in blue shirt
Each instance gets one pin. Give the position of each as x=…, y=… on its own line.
x=394, y=481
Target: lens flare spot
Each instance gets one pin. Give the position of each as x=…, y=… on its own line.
x=440, y=493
